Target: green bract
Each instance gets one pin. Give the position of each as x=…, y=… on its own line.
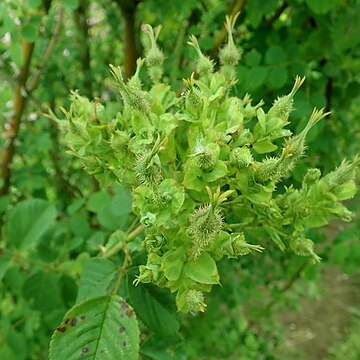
x=205, y=170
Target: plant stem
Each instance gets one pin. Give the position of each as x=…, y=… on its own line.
x=122, y=269
x=120, y=245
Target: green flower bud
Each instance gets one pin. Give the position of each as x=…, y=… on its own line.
x=304, y=247
x=154, y=57
x=204, y=65
x=146, y=275
x=283, y=105
x=229, y=55
x=194, y=102
x=208, y=157
x=92, y=165
x=148, y=170
x=347, y=215
x=205, y=225
x=194, y=300
x=241, y=157
x=241, y=247
x=133, y=98
x=344, y=173
x=266, y=170
x=312, y=176
x=148, y=220
x=119, y=143
x=155, y=243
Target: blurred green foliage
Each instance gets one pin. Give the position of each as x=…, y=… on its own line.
x=56, y=219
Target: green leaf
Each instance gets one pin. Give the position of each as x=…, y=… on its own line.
x=153, y=308
x=34, y=4
x=103, y=328
x=30, y=31
x=321, y=6
x=96, y=278
x=42, y=291
x=122, y=202
x=264, y=146
x=256, y=76
x=15, y=52
x=277, y=77
x=98, y=201
x=5, y=261
x=274, y=55
x=70, y=4
x=203, y=270
x=29, y=221
x=172, y=264
x=252, y=58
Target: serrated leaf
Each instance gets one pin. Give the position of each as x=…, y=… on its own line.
x=29, y=221
x=96, y=278
x=153, y=309
x=202, y=270
x=102, y=328
x=42, y=291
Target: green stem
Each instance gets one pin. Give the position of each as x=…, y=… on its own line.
x=122, y=269
x=138, y=230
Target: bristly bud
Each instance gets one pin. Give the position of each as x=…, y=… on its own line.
x=283, y=105
x=148, y=170
x=206, y=156
x=145, y=276
x=205, y=225
x=190, y=301
x=295, y=147
x=193, y=99
x=344, y=173
x=229, y=55
x=241, y=247
x=195, y=301
x=267, y=169
x=241, y=157
x=154, y=56
x=204, y=65
x=304, y=247
x=132, y=98
x=310, y=178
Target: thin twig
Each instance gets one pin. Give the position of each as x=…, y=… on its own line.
x=34, y=81
x=120, y=244
x=122, y=269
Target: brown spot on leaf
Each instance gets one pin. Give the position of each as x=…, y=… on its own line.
x=123, y=304
x=66, y=321
x=73, y=321
x=122, y=329
x=129, y=312
x=82, y=317
x=61, y=329
x=85, y=350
